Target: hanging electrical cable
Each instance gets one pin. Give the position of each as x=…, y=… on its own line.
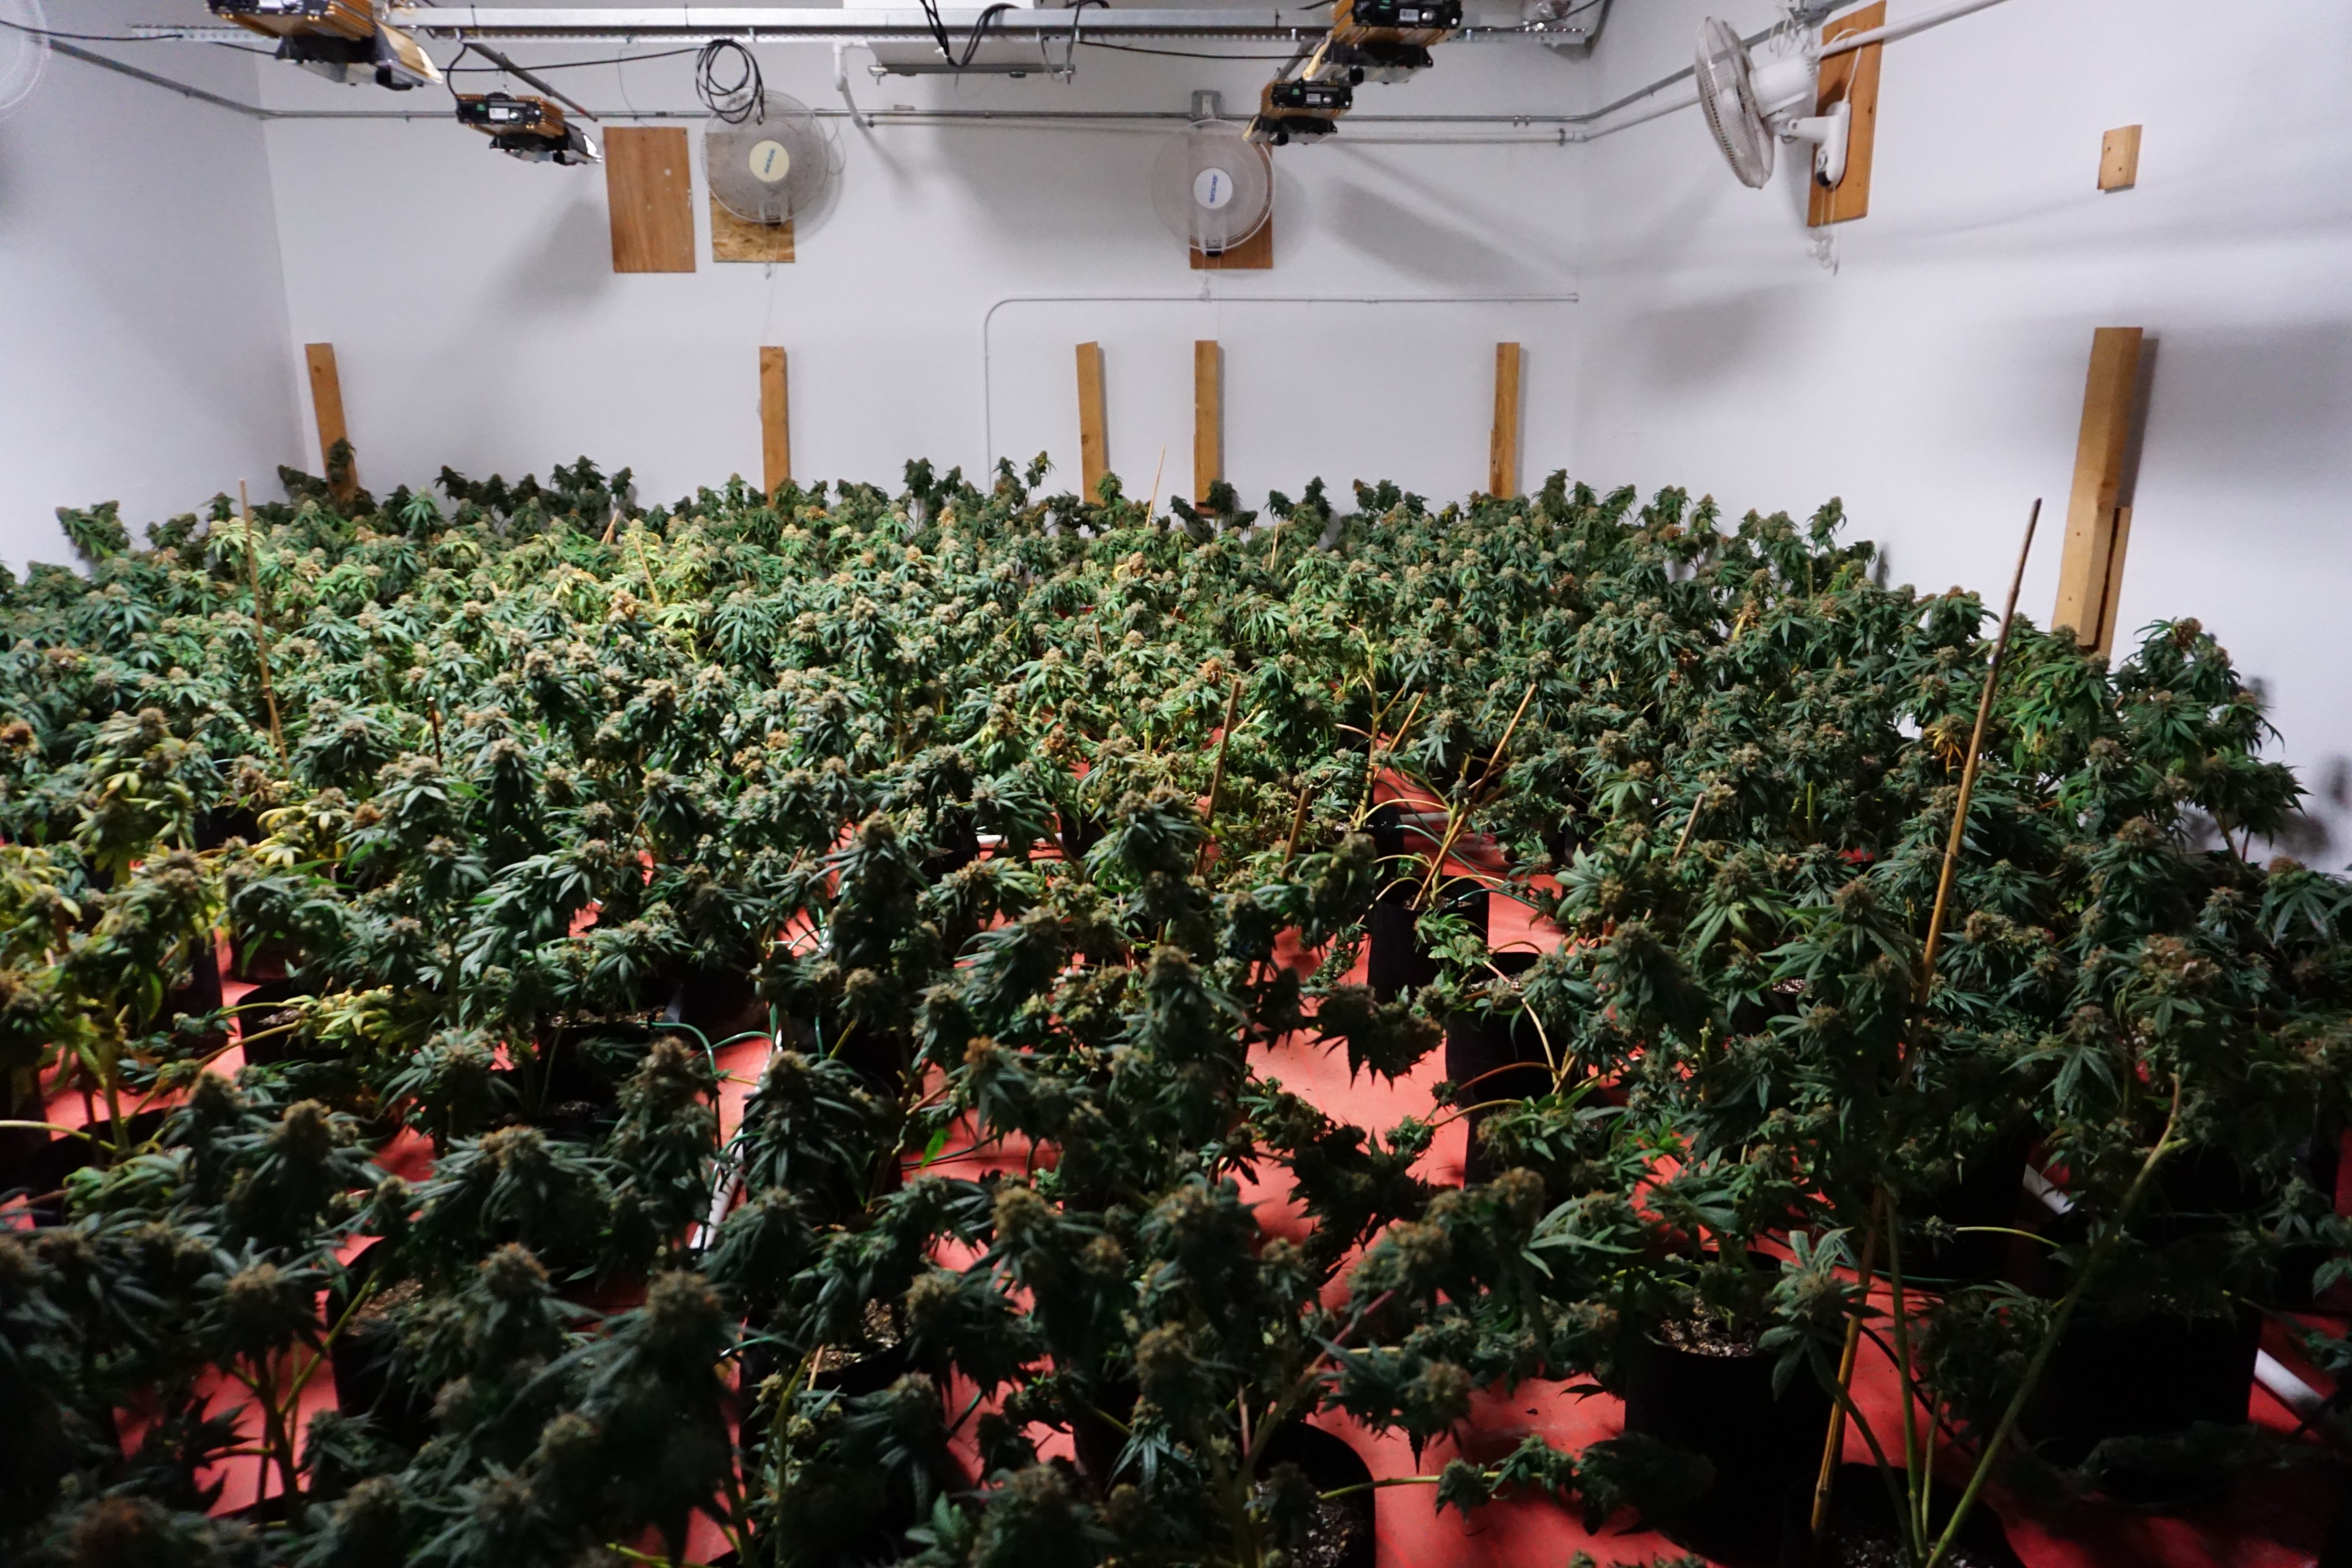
x=737, y=99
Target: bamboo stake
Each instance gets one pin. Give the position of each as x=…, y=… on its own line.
x=1461, y=813
x=1968, y=769
x=260, y=621
x=1297, y=823
x=1217, y=774
x=1834, y=1445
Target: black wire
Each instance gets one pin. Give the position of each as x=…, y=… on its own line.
x=736, y=101
x=1177, y=53
x=574, y=64
x=971, y=45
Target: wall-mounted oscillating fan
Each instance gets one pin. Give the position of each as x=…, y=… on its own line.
x=1213, y=186
x=1751, y=104
x=23, y=50
x=774, y=164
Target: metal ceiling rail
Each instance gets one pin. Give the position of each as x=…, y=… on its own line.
x=781, y=24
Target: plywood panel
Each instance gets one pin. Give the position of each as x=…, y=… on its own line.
x=2089, y=576
x=327, y=408
x=2119, y=159
x=775, y=421
x=1093, y=438
x=648, y=187
x=1503, y=450
x=1255, y=254
x=1208, y=418
x=732, y=239
x=1854, y=76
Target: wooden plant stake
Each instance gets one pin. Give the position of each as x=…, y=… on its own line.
x=260, y=621
x=1834, y=1446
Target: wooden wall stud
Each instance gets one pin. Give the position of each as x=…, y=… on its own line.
x=1854, y=76
x=2090, y=569
x=775, y=421
x=1093, y=440
x=1208, y=418
x=1502, y=450
x=327, y=407
x=647, y=185
x=2119, y=159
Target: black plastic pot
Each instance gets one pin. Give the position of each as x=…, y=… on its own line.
x=1343, y=1534
x=1760, y=1444
x=720, y=1002
x=2139, y=1377
x=1863, y=1531
x=59, y=1155
x=368, y=1378
x=1494, y=1056
x=1394, y=960
x=217, y=826
x=1989, y=1193
x=1078, y=834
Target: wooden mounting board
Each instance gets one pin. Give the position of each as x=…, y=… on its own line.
x=1094, y=438
x=1854, y=76
x=775, y=421
x=1255, y=254
x=2119, y=159
x=327, y=408
x=648, y=187
x=732, y=239
x=1503, y=450
x=2090, y=569
x=1208, y=418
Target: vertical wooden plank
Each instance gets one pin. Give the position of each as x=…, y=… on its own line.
x=647, y=185
x=775, y=421
x=1093, y=440
x=2088, y=574
x=1255, y=254
x=2111, y=587
x=1208, y=418
x=1854, y=76
x=327, y=407
x=2119, y=159
x=1502, y=450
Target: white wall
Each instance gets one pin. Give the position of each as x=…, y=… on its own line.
x=144, y=348
x=1934, y=381
x=479, y=322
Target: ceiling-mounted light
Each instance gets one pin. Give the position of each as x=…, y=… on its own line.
x=342, y=41
x=531, y=129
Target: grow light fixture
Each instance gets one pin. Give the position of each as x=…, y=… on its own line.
x=342, y=41
x=1371, y=40
x=531, y=129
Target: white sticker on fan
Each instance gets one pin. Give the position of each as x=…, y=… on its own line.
x=769, y=161
x=1214, y=189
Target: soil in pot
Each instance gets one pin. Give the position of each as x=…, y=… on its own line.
x=1494, y=1056
x=1342, y=1534
x=368, y=1378
x=1698, y=1387
x=1863, y=1531
x=2115, y=1377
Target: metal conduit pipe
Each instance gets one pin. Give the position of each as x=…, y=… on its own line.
x=787, y=27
